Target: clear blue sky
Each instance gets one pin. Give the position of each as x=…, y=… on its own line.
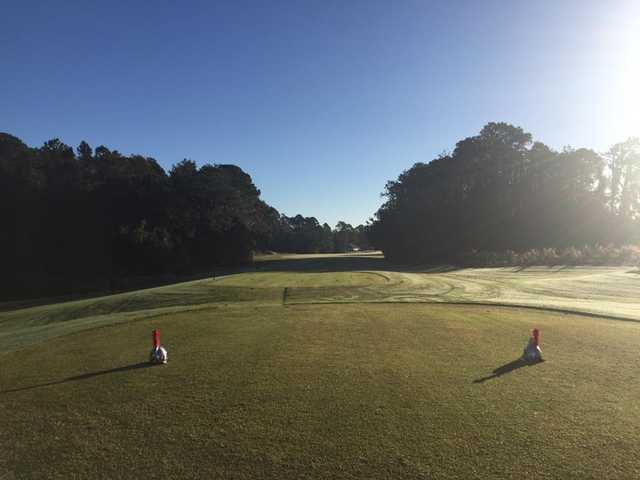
x=321, y=102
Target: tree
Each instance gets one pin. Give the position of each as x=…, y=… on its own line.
x=78, y=220
x=501, y=191
x=343, y=237
x=623, y=161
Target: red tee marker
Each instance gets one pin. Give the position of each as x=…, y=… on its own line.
x=156, y=338
x=536, y=337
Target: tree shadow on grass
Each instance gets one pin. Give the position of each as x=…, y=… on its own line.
x=507, y=368
x=346, y=263
x=84, y=376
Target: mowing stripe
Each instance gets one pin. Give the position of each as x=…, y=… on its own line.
x=480, y=304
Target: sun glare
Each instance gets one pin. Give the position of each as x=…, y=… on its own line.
x=624, y=52
x=630, y=81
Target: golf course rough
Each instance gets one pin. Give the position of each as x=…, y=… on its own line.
x=363, y=371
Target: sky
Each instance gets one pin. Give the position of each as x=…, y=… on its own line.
x=321, y=102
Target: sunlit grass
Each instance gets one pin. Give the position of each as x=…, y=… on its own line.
x=266, y=381
x=349, y=391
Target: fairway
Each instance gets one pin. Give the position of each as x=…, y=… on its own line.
x=335, y=366
x=303, y=279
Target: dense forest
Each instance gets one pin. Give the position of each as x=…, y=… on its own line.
x=83, y=220
x=500, y=191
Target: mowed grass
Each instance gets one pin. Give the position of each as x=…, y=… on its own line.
x=19, y=328
x=257, y=387
x=303, y=279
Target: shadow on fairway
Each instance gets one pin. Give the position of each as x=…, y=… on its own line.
x=84, y=376
x=303, y=263
x=354, y=262
x=507, y=368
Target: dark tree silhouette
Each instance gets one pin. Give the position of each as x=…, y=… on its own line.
x=81, y=221
x=86, y=220
x=500, y=191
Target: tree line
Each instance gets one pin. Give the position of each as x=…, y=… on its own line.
x=305, y=234
x=500, y=191
x=81, y=220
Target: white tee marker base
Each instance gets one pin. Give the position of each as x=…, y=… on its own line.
x=158, y=353
x=532, y=352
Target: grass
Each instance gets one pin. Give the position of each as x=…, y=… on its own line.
x=303, y=279
x=376, y=384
